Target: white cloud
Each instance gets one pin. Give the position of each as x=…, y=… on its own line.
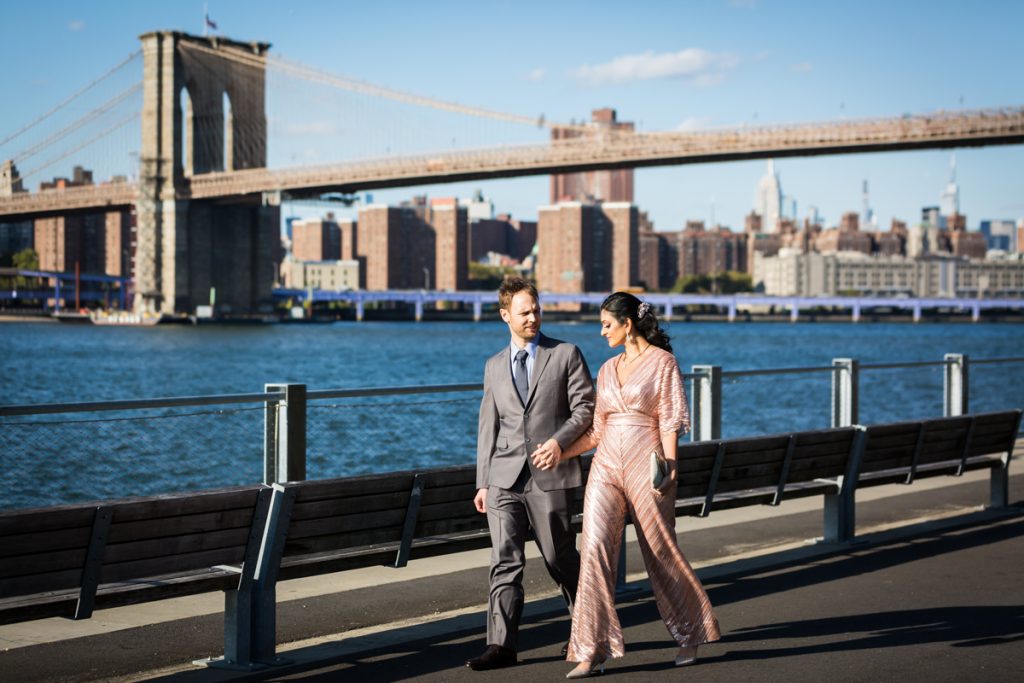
x=802, y=68
x=537, y=74
x=694, y=65
x=77, y=25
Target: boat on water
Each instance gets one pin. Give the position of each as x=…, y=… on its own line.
x=70, y=316
x=125, y=318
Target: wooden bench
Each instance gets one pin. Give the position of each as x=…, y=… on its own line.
x=68, y=560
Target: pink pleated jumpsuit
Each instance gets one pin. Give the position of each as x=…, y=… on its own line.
x=628, y=421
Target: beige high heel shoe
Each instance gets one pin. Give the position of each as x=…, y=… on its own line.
x=687, y=654
x=586, y=670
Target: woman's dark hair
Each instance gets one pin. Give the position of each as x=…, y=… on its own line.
x=624, y=306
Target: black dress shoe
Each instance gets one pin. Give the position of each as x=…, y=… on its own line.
x=494, y=657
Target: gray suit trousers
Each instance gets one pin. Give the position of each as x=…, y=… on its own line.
x=510, y=513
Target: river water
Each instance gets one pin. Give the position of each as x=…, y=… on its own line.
x=51, y=459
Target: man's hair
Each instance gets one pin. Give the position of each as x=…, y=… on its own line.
x=512, y=286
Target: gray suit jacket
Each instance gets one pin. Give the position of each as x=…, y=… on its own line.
x=560, y=405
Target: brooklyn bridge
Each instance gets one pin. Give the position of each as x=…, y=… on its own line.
x=207, y=204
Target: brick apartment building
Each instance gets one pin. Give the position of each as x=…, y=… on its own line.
x=413, y=246
x=101, y=242
x=583, y=247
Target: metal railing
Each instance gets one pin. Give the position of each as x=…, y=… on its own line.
x=138, y=447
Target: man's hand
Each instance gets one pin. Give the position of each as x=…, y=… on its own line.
x=547, y=455
x=480, y=501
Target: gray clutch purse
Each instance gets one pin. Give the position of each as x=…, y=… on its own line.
x=659, y=470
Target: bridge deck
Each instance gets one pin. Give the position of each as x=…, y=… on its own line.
x=613, y=150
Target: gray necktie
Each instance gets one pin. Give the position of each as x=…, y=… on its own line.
x=520, y=376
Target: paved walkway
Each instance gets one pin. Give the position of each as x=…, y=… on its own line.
x=941, y=599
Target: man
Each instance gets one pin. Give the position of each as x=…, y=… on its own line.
x=538, y=399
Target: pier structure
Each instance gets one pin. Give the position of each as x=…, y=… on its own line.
x=733, y=304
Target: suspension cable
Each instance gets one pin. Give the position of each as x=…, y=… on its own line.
x=87, y=118
x=70, y=99
x=120, y=124
x=317, y=76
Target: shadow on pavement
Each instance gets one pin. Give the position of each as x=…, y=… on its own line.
x=437, y=650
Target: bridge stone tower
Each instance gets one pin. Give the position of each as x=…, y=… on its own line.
x=203, y=111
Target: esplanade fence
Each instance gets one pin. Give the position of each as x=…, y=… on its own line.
x=72, y=452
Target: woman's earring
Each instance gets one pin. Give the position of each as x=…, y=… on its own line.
x=629, y=338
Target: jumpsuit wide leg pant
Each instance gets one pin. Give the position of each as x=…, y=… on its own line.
x=619, y=481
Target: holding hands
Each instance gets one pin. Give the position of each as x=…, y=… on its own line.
x=547, y=455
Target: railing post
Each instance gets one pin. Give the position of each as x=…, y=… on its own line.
x=478, y=309
x=707, y=403
x=264, y=589
x=955, y=385
x=284, y=446
x=666, y=314
x=841, y=506
x=845, y=383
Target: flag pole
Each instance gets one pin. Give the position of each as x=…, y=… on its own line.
x=206, y=23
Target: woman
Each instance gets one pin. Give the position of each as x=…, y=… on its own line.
x=640, y=408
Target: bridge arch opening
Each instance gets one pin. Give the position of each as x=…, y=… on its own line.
x=187, y=137
x=229, y=133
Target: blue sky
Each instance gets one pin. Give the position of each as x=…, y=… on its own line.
x=663, y=65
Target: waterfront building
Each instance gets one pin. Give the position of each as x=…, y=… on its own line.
x=847, y=237
x=333, y=276
x=931, y=216
x=316, y=239
x=990, y=278
x=588, y=247
x=119, y=243
x=710, y=252
x=792, y=273
x=649, y=270
x=1000, y=234
x=762, y=244
x=479, y=208
x=593, y=186
x=101, y=242
x=451, y=265
x=397, y=245
x=15, y=237
x=501, y=235
x=925, y=239
x=416, y=245
x=572, y=248
x=347, y=230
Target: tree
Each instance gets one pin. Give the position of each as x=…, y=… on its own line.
x=728, y=282
x=26, y=259
x=485, y=277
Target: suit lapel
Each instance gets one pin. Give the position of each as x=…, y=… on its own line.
x=539, y=363
x=505, y=377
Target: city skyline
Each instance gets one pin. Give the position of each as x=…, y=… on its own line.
x=708, y=65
